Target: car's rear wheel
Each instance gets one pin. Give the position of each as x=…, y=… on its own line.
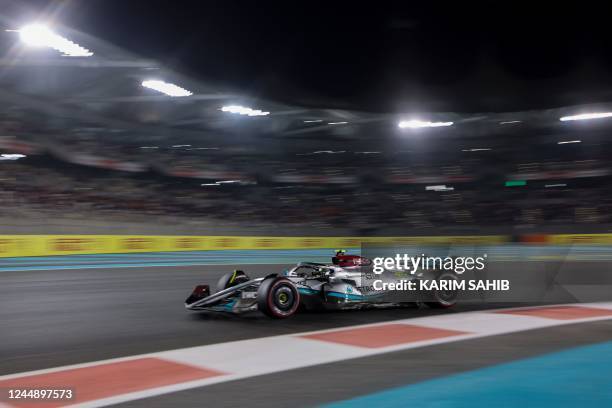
x=444, y=298
x=231, y=279
x=278, y=298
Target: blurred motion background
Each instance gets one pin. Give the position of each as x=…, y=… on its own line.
x=87, y=148
x=172, y=140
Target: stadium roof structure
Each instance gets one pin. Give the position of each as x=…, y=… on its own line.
x=104, y=93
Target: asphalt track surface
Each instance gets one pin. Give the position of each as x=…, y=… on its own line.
x=60, y=317
x=56, y=316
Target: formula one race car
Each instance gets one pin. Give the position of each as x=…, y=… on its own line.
x=346, y=283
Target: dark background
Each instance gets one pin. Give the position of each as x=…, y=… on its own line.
x=383, y=56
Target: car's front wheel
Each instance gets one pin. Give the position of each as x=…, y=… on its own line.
x=278, y=298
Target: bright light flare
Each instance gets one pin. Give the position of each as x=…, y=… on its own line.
x=243, y=110
x=586, y=116
x=220, y=182
x=415, y=124
x=7, y=156
x=569, y=141
x=38, y=35
x=442, y=187
x=166, y=88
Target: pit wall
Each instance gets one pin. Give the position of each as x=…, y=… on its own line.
x=43, y=245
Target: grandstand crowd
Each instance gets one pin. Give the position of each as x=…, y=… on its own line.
x=365, y=199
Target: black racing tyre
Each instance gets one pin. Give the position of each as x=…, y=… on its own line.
x=231, y=279
x=443, y=299
x=278, y=298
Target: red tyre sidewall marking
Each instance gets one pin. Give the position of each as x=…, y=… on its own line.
x=274, y=308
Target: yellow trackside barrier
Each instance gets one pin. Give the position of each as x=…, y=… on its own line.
x=581, y=239
x=40, y=245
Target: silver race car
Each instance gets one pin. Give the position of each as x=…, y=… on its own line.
x=347, y=283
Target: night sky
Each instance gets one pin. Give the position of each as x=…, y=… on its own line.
x=383, y=57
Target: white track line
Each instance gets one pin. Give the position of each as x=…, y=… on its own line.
x=253, y=357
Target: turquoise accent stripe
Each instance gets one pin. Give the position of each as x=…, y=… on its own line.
x=266, y=256
x=579, y=377
x=340, y=295
x=140, y=260
x=327, y=253
x=348, y=296
x=230, y=305
x=269, y=256
x=113, y=266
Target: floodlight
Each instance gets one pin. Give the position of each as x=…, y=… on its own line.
x=38, y=35
x=166, y=88
x=586, y=116
x=243, y=110
x=414, y=124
